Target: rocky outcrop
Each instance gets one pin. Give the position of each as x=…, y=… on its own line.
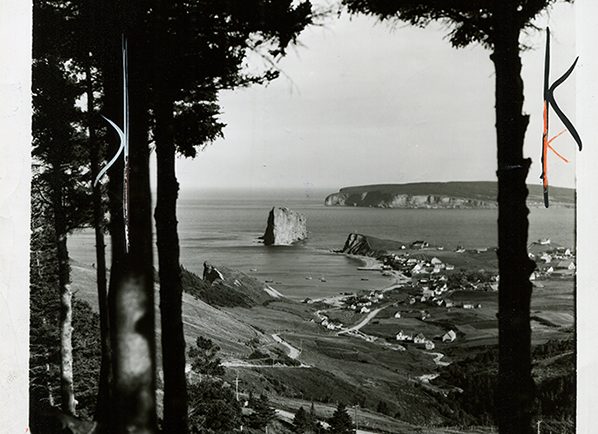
x=357, y=244
x=211, y=273
x=365, y=245
x=285, y=227
x=379, y=199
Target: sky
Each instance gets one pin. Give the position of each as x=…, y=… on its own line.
x=363, y=102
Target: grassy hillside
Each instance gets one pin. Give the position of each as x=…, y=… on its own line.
x=479, y=190
x=237, y=289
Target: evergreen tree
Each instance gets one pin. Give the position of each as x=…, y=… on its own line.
x=200, y=48
x=262, y=414
x=213, y=407
x=496, y=25
x=59, y=175
x=204, y=358
x=301, y=421
x=341, y=422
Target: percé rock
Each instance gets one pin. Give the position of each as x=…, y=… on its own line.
x=285, y=227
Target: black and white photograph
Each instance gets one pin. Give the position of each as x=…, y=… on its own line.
x=299, y=216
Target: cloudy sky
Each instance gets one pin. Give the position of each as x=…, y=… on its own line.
x=364, y=102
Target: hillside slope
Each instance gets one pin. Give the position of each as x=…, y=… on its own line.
x=439, y=195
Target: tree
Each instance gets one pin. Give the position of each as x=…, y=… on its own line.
x=262, y=414
x=131, y=289
x=59, y=175
x=204, y=358
x=340, y=422
x=200, y=49
x=68, y=32
x=496, y=25
x=213, y=407
x=301, y=421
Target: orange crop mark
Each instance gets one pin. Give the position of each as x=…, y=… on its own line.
x=545, y=147
x=554, y=150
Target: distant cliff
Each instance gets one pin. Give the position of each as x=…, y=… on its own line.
x=439, y=195
x=284, y=227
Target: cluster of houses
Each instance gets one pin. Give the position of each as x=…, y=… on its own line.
x=551, y=261
x=420, y=339
x=414, y=265
x=327, y=323
x=363, y=304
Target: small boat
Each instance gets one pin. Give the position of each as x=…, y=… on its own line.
x=364, y=278
x=322, y=279
x=308, y=277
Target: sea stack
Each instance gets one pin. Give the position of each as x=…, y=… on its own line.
x=285, y=227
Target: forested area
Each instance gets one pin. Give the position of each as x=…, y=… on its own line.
x=472, y=387
x=152, y=71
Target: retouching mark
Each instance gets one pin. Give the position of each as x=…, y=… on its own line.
x=123, y=149
x=550, y=101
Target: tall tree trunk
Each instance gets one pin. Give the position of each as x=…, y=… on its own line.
x=515, y=390
x=132, y=290
x=171, y=292
x=67, y=393
x=98, y=223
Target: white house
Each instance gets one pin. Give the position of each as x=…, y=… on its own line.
x=419, y=339
x=365, y=309
x=449, y=336
x=565, y=265
x=398, y=315
x=403, y=336
x=429, y=345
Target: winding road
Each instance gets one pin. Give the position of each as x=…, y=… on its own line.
x=294, y=354
x=362, y=323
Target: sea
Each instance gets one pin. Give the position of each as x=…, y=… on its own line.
x=223, y=228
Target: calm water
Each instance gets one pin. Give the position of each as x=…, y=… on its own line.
x=224, y=228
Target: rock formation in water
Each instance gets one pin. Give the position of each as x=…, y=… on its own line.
x=285, y=227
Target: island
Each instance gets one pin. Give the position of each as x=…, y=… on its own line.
x=460, y=195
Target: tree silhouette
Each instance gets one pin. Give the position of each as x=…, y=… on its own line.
x=340, y=422
x=200, y=49
x=496, y=25
x=204, y=358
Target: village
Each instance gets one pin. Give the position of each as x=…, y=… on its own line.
x=428, y=288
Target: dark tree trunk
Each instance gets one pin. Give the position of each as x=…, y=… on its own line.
x=131, y=291
x=98, y=223
x=171, y=292
x=132, y=288
x=110, y=59
x=515, y=389
x=67, y=393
